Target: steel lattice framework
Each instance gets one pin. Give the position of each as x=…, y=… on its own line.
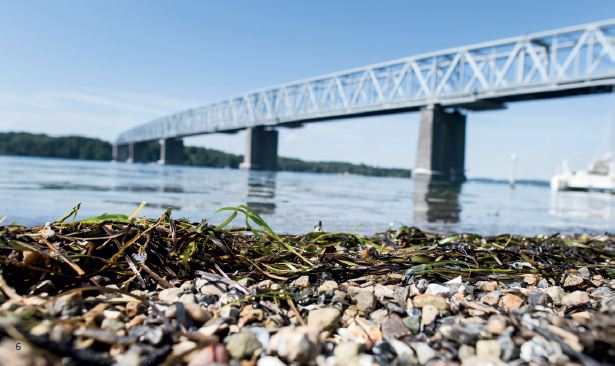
x=567, y=61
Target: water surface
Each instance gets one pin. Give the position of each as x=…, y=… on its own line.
x=37, y=190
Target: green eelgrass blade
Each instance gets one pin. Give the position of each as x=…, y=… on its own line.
x=106, y=217
x=68, y=214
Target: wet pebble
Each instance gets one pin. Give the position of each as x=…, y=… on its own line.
x=576, y=298
x=295, y=344
x=510, y=302
x=242, y=345
x=324, y=319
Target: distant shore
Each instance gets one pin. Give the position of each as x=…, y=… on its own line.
x=85, y=148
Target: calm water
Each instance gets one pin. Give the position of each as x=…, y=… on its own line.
x=33, y=191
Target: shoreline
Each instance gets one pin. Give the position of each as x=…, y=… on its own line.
x=161, y=291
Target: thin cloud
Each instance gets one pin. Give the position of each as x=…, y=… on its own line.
x=91, y=112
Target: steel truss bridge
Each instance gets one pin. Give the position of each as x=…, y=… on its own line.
x=568, y=61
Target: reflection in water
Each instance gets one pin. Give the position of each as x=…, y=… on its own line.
x=593, y=205
x=34, y=191
x=261, y=191
x=435, y=201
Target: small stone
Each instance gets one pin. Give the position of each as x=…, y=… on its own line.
x=229, y=312
x=602, y=293
x=212, y=289
x=534, y=351
x=507, y=346
x=491, y=298
x=346, y=353
x=210, y=355
x=242, y=345
x=379, y=315
x=496, y=324
x=405, y=354
x=413, y=320
x=112, y=325
x=362, y=330
x=197, y=313
x=302, y=282
x=464, y=333
x=488, y=348
x=425, y=299
x=169, y=295
x=465, y=352
x=187, y=299
x=538, y=298
x=430, y=313
x=543, y=283
x=530, y=279
x=187, y=287
x=384, y=293
x=607, y=305
x=245, y=282
x=571, y=339
x=270, y=361
x=424, y=353
x=556, y=294
x=480, y=361
x=249, y=315
x=581, y=316
x=338, y=296
x=153, y=336
x=366, y=301
x=68, y=305
x=383, y=353
x=182, y=347
x=324, y=318
x=137, y=320
x=573, y=280
x=132, y=357
x=328, y=287
x=133, y=308
x=112, y=314
x=435, y=289
x=597, y=280
x=486, y=286
x=575, y=298
x=41, y=328
x=584, y=273
x=61, y=332
x=510, y=302
x=401, y=295
x=296, y=344
x=393, y=327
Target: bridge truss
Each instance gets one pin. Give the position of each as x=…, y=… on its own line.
x=572, y=60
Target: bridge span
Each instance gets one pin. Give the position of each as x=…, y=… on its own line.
x=444, y=85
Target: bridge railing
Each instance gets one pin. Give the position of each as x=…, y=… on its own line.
x=560, y=59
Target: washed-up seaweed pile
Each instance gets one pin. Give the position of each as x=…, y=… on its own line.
x=133, y=290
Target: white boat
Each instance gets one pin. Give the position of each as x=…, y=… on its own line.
x=600, y=176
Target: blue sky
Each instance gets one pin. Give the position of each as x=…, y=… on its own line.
x=98, y=67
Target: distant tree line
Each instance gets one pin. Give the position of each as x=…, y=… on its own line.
x=297, y=165
x=67, y=147
x=85, y=148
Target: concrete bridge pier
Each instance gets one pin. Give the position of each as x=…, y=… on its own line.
x=136, y=152
x=261, y=149
x=441, y=146
x=171, y=151
x=119, y=152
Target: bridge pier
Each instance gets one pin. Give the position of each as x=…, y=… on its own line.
x=261, y=149
x=119, y=152
x=171, y=151
x=441, y=146
x=137, y=152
